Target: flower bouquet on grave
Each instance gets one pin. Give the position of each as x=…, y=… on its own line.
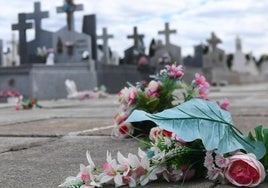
x=195, y=139
x=156, y=96
x=192, y=138
x=42, y=53
x=10, y=96
x=27, y=104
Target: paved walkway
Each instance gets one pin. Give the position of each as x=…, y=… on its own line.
x=41, y=147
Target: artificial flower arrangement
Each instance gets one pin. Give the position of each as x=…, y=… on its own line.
x=156, y=96
x=27, y=104
x=194, y=139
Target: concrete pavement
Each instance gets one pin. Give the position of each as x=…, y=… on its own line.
x=41, y=147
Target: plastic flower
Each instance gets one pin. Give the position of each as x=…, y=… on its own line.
x=111, y=171
x=200, y=81
x=152, y=89
x=224, y=105
x=123, y=130
x=120, y=117
x=142, y=170
x=175, y=71
x=128, y=95
x=245, y=170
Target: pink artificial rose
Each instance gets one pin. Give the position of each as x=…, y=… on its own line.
x=128, y=95
x=120, y=117
x=175, y=71
x=245, y=170
x=123, y=130
x=152, y=89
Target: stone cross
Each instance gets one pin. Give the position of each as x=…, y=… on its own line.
x=105, y=36
x=214, y=41
x=69, y=8
x=37, y=16
x=135, y=36
x=21, y=27
x=13, y=47
x=167, y=32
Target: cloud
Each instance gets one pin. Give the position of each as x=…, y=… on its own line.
x=194, y=20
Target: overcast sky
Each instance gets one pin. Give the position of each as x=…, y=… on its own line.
x=194, y=21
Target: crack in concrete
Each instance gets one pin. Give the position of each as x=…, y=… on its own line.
x=28, y=146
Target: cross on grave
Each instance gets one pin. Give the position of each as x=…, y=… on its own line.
x=135, y=36
x=13, y=47
x=69, y=8
x=105, y=36
x=167, y=33
x=37, y=16
x=21, y=26
x=214, y=41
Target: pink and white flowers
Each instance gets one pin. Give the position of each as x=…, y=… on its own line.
x=175, y=71
x=128, y=95
x=239, y=169
x=245, y=170
x=152, y=90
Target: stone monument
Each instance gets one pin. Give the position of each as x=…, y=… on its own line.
x=214, y=62
x=43, y=38
x=22, y=26
x=69, y=44
x=105, y=48
x=241, y=64
x=168, y=51
x=133, y=53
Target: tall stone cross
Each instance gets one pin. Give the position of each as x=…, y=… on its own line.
x=213, y=41
x=69, y=8
x=21, y=26
x=13, y=47
x=167, y=33
x=135, y=36
x=37, y=16
x=105, y=36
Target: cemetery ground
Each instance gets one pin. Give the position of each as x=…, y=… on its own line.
x=41, y=147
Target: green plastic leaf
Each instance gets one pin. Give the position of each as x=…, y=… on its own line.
x=200, y=119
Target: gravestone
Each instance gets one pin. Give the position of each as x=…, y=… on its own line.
x=133, y=53
x=105, y=48
x=169, y=50
x=214, y=62
x=22, y=26
x=69, y=44
x=197, y=59
x=14, y=54
x=90, y=28
x=43, y=38
x=241, y=64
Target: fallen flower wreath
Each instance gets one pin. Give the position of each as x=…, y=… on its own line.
x=194, y=139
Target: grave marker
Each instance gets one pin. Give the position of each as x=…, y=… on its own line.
x=136, y=37
x=69, y=8
x=105, y=37
x=22, y=26
x=37, y=16
x=167, y=33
